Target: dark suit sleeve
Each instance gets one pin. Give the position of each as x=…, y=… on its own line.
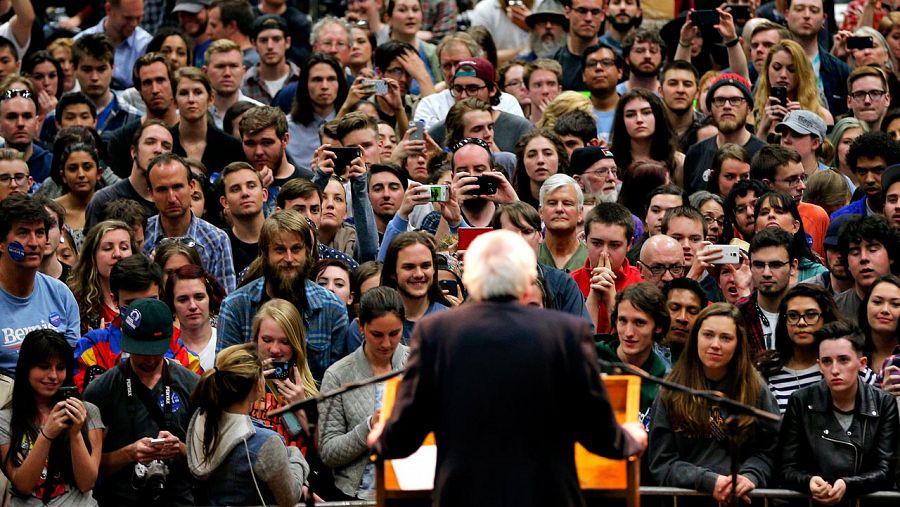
x=595, y=422
x=413, y=414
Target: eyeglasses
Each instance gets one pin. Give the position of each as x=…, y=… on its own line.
x=709, y=219
x=809, y=316
x=181, y=240
x=660, y=269
x=743, y=208
x=734, y=101
x=395, y=72
x=773, y=265
x=456, y=90
x=602, y=173
x=604, y=62
x=13, y=93
x=7, y=179
x=872, y=94
x=584, y=11
x=793, y=181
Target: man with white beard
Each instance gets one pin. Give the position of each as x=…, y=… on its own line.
x=594, y=168
x=548, y=27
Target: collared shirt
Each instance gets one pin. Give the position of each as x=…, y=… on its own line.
x=255, y=86
x=127, y=52
x=215, y=248
x=305, y=138
x=219, y=118
x=324, y=320
x=576, y=261
x=115, y=115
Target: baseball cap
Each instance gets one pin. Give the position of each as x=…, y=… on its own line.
x=190, y=6
x=583, y=158
x=147, y=327
x=803, y=122
x=834, y=228
x=269, y=22
x=476, y=67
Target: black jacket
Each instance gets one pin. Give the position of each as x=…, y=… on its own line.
x=813, y=442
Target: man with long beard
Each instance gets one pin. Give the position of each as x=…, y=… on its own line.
x=548, y=27
x=287, y=245
x=622, y=19
x=729, y=101
x=643, y=52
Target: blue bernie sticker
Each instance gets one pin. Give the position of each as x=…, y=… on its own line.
x=55, y=319
x=16, y=251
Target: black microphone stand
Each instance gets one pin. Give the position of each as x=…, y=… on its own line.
x=736, y=410
x=310, y=407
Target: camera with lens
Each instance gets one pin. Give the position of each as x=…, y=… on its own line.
x=150, y=477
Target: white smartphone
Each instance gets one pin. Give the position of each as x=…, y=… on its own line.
x=157, y=441
x=731, y=254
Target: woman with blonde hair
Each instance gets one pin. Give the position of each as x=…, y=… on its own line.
x=280, y=341
x=563, y=103
x=692, y=436
x=238, y=461
x=827, y=189
x=786, y=66
x=845, y=131
x=106, y=244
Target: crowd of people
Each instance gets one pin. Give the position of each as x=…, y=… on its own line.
x=210, y=209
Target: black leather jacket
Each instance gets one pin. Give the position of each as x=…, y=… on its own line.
x=813, y=442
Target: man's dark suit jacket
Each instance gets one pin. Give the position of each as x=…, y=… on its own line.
x=507, y=390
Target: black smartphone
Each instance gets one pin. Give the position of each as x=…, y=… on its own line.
x=282, y=370
x=780, y=93
x=451, y=286
x=67, y=392
x=487, y=185
x=343, y=158
x=705, y=17
x=860, y=42
x=740, y=13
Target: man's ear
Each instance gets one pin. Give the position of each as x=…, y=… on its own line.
x=287, y=41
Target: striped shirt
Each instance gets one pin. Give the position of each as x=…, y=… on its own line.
x=784, y=383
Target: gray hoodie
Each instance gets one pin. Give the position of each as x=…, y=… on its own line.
x=249, y=462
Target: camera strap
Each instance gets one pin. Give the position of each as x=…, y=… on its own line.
x=137, y=391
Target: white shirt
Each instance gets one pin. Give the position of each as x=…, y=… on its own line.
x=6, y=31
x=434, y=108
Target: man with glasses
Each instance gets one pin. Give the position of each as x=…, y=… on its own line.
x=869, y=156
x=729, y=101
x=18, y=120
x=687, y=226
x=662, y=260
x=585, y=18
x=594, y=168
x=643, y=55
x=869, y=98
x=14, y=177
x=264, y=80
x=781, y=169
x=772, y=263
x=169, y=179
x=602, y=71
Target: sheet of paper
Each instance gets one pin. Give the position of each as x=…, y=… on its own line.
x=416, y=472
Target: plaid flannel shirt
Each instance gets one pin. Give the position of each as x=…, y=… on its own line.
x=255, y=87
x=324, y=320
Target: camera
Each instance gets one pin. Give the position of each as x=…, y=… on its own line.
x=150, y=478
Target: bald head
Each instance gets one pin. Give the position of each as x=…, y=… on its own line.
x=661, y=251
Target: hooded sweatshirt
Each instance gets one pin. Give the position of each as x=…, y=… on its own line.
x=250, y=464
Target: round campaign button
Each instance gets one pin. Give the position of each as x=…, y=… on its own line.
x=16, y=251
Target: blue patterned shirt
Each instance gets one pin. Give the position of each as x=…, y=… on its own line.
x=324, y=321
x=215, y=247
x=127, y=52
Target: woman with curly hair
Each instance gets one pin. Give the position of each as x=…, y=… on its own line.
x=786, y=66
x=106, y=244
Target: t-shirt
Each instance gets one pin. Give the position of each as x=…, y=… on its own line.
x=63, y=495
x=604, y=121
x=572, y=71
x=768, y=321
x=699, y=159
x=848, y=302
x=241, y=253
x=127, y=420
x=51, y=305
x=121, y=190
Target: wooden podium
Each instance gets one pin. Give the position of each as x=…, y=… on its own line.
x=597, y=476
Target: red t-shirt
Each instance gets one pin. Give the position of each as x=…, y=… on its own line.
x=625, y=276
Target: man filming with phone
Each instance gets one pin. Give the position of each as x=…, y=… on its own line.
x=145, y=403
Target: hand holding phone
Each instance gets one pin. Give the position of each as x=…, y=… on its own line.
x=860, y=42
x=705, y=17
x=343, y=158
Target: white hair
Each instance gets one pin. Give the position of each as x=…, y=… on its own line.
x=557, y=181
x=499, y=263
